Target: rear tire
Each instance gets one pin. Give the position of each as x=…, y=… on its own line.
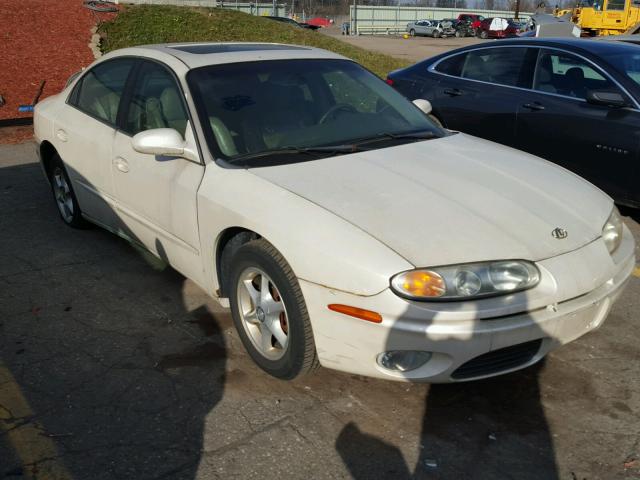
x=64, y=196
x=269, y=311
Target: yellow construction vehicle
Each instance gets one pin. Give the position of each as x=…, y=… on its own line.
x=604, y=17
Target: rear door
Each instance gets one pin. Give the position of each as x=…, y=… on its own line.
x=156, y=195
x=85, y=129
x=479, y=91
x=556, y=122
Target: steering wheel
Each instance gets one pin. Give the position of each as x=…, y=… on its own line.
x=344, y=107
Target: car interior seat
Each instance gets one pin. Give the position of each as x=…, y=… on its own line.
x=575, y=84
x=475, y=69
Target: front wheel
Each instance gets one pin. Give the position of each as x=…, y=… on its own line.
x=269, y=311
x=436, y=33
x=458, y=34
x=412, y=32
x=64, y=195
x=484, y=34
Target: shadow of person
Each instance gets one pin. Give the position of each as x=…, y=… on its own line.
x=120, y=361
x=491, y=428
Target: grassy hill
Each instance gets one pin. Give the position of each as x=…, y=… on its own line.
x=159, y=24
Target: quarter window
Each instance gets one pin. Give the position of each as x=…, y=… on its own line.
x=98, y=93
x=566, y=74
x=156, y=102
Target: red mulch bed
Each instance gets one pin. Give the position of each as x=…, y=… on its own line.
x=41, y=40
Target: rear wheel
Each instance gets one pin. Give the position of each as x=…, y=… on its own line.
x=458, y=34
x=64, y=195
x=269, y=311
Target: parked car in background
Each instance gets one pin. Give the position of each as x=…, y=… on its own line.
x=340, y=225
x=497, y=28
x=419, y=28
x=293, y=23
x=573, y=101
x=471, y=18
x=464, y=29
x=431, y=28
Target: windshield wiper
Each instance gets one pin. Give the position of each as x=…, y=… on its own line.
x=424, y=135
x=329, y=149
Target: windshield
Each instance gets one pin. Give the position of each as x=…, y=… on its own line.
x=627, y=63
x=255, y=107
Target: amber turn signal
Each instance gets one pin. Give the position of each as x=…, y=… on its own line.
x=360, y=313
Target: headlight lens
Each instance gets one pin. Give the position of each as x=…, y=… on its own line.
x=466, y=281
x=612, y=231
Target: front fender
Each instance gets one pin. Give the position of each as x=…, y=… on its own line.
x=319, y=246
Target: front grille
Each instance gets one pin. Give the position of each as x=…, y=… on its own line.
x=498, y=360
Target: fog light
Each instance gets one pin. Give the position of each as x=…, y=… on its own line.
x=403, y=360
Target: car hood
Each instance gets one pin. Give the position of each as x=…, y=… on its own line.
x=452, y=200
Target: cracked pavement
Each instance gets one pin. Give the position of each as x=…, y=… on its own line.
x=130, y=371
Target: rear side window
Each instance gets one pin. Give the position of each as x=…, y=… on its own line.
x=99, y=91
x=503, y=66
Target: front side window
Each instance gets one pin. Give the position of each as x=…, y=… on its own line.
x=99, y=91
x=627, y=63
x=503, y=66
x=568, y=75
x=256, y=107
x=156, y=102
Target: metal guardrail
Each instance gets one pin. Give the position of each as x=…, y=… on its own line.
x=397, y=17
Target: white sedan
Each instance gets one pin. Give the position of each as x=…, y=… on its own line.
x=341, y=226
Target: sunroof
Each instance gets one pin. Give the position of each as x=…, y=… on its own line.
x=233, y=47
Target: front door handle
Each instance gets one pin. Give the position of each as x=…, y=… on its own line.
x=121, y=164
x=454, y=92
x=533, y=106
x=62, y=135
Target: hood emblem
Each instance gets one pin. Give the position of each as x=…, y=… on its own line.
x=559, y=233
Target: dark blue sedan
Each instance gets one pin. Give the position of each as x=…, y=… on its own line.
x=575, y=102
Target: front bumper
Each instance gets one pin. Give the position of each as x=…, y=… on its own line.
x=574, y=297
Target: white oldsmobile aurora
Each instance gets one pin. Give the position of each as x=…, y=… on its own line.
x=341, y=226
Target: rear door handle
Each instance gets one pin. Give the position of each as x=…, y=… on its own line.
x=121, y=164
x=454, y=92
x=62, y=135
x=533, y=106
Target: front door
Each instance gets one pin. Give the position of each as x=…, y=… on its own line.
x=156, y=195
x=556, y=122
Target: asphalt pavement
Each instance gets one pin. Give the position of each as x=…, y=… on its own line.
x=114, y=366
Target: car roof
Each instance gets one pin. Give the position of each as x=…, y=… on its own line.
x=578, y=44
x=200, y=54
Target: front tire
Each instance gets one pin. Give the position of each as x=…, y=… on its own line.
x=269, y=311
x=436, y=34
x=484, y=34
x=412, y=32
x=64, y=196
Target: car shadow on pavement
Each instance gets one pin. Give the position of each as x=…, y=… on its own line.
x=491, y=428
x=119, y=364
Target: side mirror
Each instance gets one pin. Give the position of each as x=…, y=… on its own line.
x=424, y=105
x=607, y=99
x=163, y=141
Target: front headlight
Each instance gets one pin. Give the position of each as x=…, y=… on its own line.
x=612, y=231
x=466, y=281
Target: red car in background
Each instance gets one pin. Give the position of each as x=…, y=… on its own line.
x=471, y=18
x=497, y=28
